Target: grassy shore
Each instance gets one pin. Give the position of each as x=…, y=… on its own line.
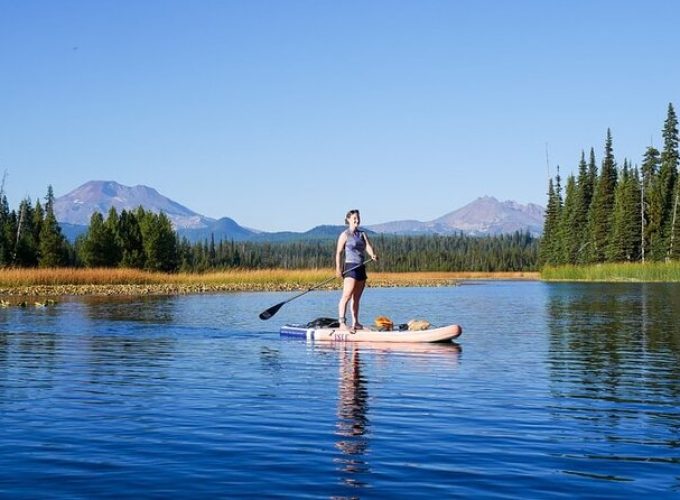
x=634, y=272
x=57, y=282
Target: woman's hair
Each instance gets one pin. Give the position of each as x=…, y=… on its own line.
x=349, y=214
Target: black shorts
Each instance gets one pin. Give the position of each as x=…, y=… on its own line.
x=358, y=274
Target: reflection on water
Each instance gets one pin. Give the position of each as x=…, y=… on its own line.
x=615, y=371
x=141, y=309
x=563, y=388
x=610, y=334
x=353, y=429
x=353, y=422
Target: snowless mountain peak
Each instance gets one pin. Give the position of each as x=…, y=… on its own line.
x=483, y=216
x=78, y=206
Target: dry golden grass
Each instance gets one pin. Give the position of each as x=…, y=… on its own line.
x=66, y=281
x=449, y=276
x=104, y=276
x=67, y=276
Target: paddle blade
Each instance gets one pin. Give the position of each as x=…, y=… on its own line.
x=271, y=311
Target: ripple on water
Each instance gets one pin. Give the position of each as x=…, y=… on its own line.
x=550, y=390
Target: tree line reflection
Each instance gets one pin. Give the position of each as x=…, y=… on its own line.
x=618, y=344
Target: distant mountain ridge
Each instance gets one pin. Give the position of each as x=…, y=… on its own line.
x=78, y=206
x=484, y=216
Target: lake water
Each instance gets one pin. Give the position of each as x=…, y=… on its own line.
x=553, y=391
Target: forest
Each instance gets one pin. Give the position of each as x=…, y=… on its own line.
x=604, y=214
x=613, y=213
x=141, y=239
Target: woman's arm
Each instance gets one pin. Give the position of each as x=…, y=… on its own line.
x=342, y=239
x=369, y=248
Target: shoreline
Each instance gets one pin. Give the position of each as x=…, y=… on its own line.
x=213, y=284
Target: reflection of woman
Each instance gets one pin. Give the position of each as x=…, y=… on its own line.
x=352, y=420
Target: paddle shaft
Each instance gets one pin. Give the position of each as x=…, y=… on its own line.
x=327, y=281
x=274, y=309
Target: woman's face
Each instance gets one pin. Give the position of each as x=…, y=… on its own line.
x=354, y=220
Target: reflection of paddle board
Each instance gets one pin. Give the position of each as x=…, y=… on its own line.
x=441, y=334
x=445, y=350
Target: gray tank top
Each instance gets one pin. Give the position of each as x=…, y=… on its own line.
x=355, y=247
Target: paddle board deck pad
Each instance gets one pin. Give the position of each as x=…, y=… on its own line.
x=327, y=334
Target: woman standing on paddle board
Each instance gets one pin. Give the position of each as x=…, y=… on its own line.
x=354, y=244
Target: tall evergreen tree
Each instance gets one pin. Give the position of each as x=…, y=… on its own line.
x=569, y=237
x=602, y=206
x=38, y=219
x=159, y=240
x=52, y=244
x=652, y=205
x=669, y=155
x=186, y=256
x=592, y=170
x=674, y=238
x=624, y=243
x=25, y=253
x=98, y=244
x=668, y=173
x=130, y=240
x=212, y=255
x=5, y=230
x=584, y=196
x=112, y=224
x=550, y=239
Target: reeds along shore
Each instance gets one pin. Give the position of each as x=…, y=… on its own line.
x=616, y=272
x=67, y=281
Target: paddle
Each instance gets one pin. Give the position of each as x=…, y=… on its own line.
x=275, y=308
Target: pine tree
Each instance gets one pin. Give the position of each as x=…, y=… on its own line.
x=569, y=237
x=130, y=240
x=584, y=197
x=652, y=209
x=38, y=219
x=98, y=244
x=559, y=243
x=669, y=155
x=668, y=174
x=186, y=260
x=633, y=218
x=159, y=240
x=602, y=206
x=549, y=241
x=674, y=239
x=624, y=243
x=52, y=244
x=5, y=241
x=112, y=224
x=592, y=173
x=212, y=259
x=25, y=253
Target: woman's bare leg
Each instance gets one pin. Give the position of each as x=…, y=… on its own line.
x=356, y=299
x=347, y=293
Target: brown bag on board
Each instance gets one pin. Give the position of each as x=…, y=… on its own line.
x=384, y=324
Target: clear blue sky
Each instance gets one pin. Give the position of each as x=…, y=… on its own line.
x=285, y=114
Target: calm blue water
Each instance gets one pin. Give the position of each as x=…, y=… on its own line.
x=553, y=391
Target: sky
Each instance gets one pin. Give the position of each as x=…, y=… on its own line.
x=285, y=114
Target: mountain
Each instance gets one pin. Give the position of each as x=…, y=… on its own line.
x=483, y=216
x=221, y=229
x=324, y=232
x=78, y=206
x=74, y=210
